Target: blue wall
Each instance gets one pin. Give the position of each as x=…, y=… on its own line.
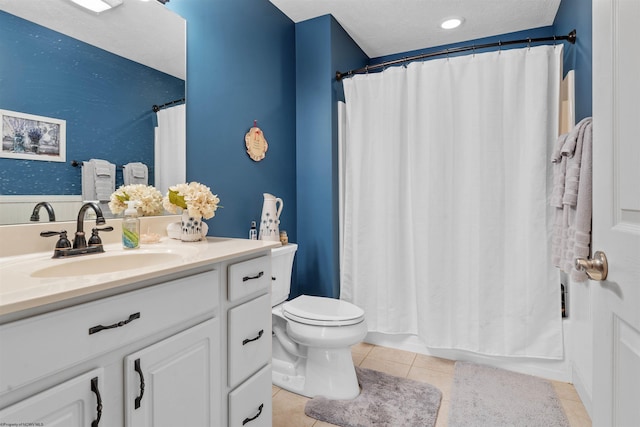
x=105, y=99
x=322, y=47
x=314, y=158
x=577, y=14
x=240, y=68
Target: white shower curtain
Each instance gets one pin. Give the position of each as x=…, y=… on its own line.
x=170, y=164
x=446, y=221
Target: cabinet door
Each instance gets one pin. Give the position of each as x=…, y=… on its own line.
x=176, y=382
x=74, y=403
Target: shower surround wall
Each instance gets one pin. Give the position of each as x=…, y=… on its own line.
x=579, y=327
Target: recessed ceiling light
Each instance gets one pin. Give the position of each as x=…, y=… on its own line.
x=98, y=5
x=451, y=23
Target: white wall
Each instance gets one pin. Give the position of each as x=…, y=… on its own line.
x=18, y=209
x=580, y=341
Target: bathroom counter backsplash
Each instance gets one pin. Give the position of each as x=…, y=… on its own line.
x=24, y=290
x=22, y=239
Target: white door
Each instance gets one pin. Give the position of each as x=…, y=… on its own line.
x=74, y=403
x=616, y=212
x=176, y=382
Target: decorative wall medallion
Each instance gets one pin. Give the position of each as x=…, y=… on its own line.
x=256, y=143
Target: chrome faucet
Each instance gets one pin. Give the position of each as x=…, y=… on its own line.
x=35, y=216
x=79, y=240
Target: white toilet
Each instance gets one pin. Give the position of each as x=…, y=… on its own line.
x=312, y=337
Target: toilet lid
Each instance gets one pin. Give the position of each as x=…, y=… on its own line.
x=322, y=311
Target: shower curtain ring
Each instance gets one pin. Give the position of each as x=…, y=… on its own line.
x=529, y=43
x=499, y=47
x=366, y=69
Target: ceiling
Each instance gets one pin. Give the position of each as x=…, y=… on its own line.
x=385, y=27
x=142, y=31
x=146, y=31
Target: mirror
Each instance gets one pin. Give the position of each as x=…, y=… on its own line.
x=101, y=74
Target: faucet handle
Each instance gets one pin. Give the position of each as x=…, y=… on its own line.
x=63, y=242
x=95, y=238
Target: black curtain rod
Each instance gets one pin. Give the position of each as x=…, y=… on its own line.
x=77, y=164
x=571, y=38
x=157, y=108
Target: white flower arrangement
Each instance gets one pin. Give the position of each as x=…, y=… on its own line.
x=196, y=198
x=148, y=197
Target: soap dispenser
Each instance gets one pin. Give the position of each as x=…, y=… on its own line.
x=131, y=226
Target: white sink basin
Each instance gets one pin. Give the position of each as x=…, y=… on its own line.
x=106, y=263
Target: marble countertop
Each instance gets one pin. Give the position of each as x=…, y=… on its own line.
x=35, y=282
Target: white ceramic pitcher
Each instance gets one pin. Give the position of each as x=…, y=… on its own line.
x=270, y=219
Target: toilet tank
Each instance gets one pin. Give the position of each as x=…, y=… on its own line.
x=281, y=267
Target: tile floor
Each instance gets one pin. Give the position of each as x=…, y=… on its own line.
x=288, y=408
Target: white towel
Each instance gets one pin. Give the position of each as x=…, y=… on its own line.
x=559, y=169
x=98, y=180
x=572, y=149
x=88, y=181
x=572, y=197
x=571, y=142
x=135, y=173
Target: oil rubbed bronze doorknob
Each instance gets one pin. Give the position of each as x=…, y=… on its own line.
x=596, y=267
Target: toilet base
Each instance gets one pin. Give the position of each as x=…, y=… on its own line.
x=324, y=372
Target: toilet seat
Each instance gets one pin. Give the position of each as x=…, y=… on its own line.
x=322, y=311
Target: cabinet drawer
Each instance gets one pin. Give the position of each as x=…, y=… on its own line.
x=249, y=277
x=250, y=403
x=42, y=345
x=249, y=339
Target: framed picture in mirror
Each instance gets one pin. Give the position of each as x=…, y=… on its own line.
x=31, y=137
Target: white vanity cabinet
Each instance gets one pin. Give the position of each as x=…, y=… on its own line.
x=174, y=346
x=249, y=343
x=74, y=403
x=167, y=335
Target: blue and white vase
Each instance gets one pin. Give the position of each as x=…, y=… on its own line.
x=191, y=227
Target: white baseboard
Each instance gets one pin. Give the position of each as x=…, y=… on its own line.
x=585, y=395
